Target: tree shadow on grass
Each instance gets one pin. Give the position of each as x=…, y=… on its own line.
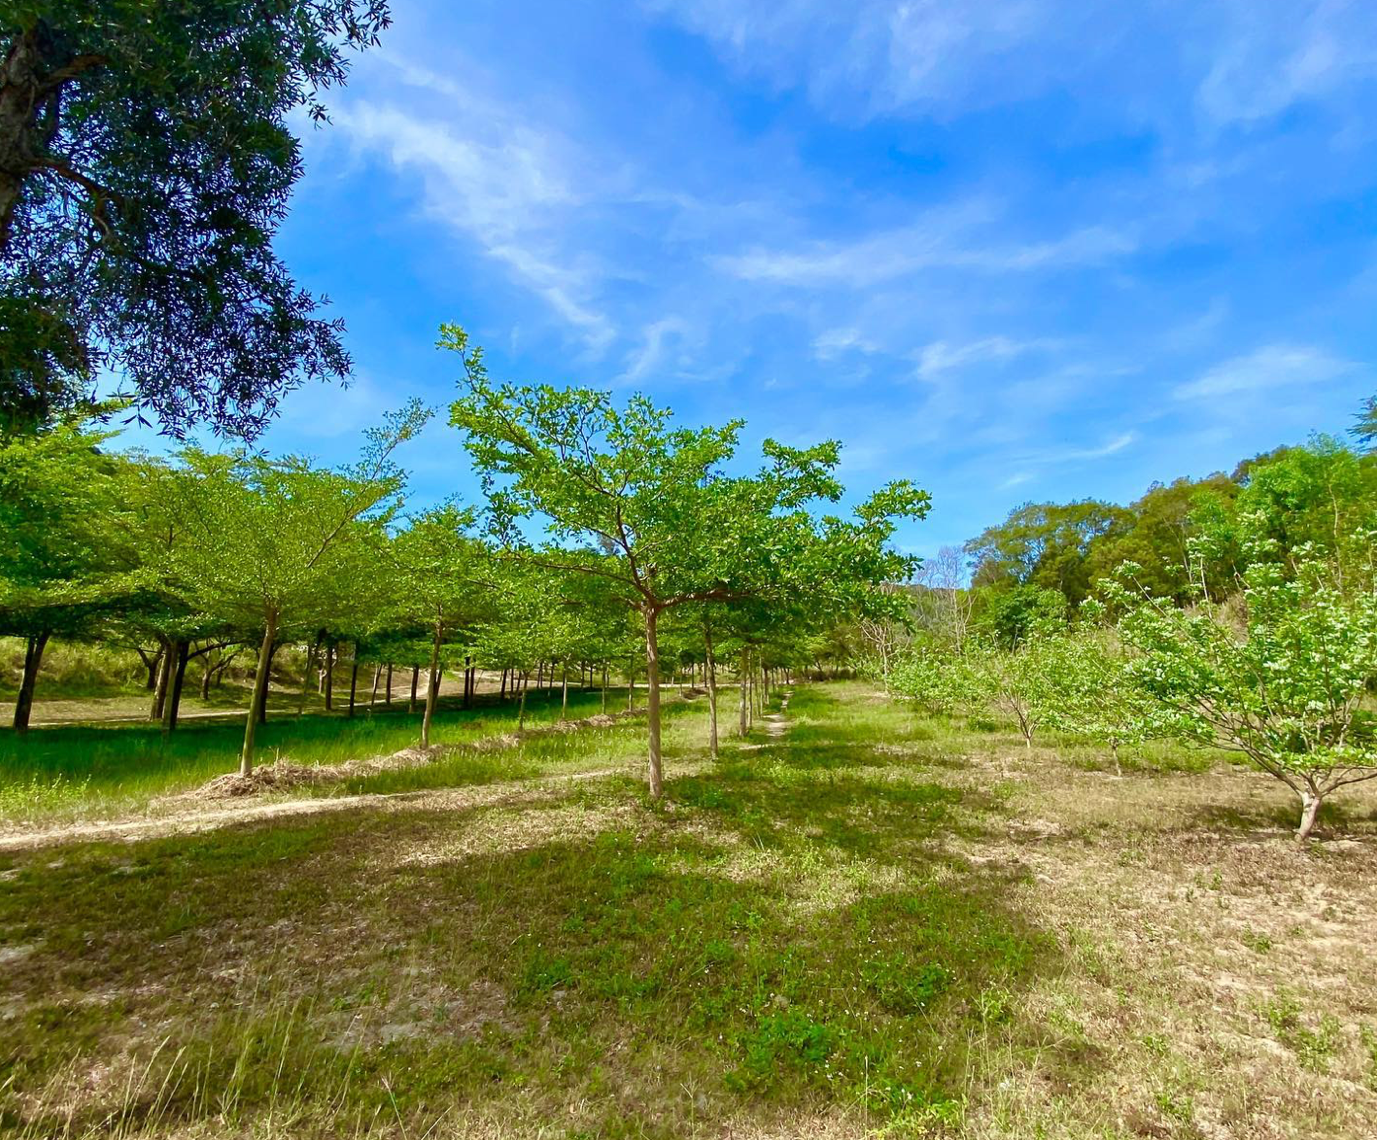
x=790, y=938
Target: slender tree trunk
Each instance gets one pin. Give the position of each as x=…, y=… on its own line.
x=33, y=658
x=152, y=663
x=377, y=677
x=353, y=680
x=387, y=700
x=260, y=689
x=155, y=711
x=1118, y=768
x=564, y=695
x=521, y=707
x=652, y=688
x=604, y=688
x=540, y=674
x=433, y=685
x=415, y=678
x=502, y=693
x=743, y=712
x=468, y=682
x=205, y=679
x=1311, y=801
x=311, y=651
x=330, y=654
x=710, y=680
x=263, y=697
x=177, y=654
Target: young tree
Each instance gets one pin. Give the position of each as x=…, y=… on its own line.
x=439, y=573
x=627, y=497
x=146, y=161
x=1094, y=692
x=65, y=555
x=1289, y=690
x=269, y=538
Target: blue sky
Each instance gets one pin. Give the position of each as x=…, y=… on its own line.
x=1011, y=249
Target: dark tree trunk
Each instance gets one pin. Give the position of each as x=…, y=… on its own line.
x=260, y=690
x=387, y=700
x=604, y=688
x=521, y=707
x=502, y=695
x=177, y=655
x=152, y=662
x=468, y=682
x=330, y=653
x=267, y=684
x=33, y=658
x=415, y=679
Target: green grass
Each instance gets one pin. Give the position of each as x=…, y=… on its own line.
x=65, y=771
x=785, y=935
x=874, y=925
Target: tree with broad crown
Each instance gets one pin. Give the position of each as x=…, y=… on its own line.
x=145, y=165
x=65, y=551
x=626, y=496
x=440, y=574
x=269, y=538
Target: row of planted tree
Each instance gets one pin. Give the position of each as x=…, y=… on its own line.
x=607, y=537
x=1262, y=639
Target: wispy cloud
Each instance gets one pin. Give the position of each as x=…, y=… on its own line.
x=1275, y=366
x=947, y=241
x=941, y=356
x=1285, y=52
x=831, y=343
x=643, y=362
x=1245, y=60
x=505, y=185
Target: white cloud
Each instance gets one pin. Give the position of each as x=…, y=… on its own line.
x=1243, y=60
x=944, y=241
x=505, y=187
x=643, y=362
x=830, y=344
x=1286, y=51
x=1275, y=366
x=940, y=356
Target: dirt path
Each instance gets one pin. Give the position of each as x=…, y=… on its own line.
x=477, y=795
x=777, y=724
x=245, y=810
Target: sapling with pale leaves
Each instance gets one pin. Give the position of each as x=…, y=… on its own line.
x=1291, y=689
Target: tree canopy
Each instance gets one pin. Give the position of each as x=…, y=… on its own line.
x=146, y=161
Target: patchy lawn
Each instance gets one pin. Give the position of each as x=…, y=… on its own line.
x=868, y=924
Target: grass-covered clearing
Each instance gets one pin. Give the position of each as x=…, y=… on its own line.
x=92, y=771
x=867, y=925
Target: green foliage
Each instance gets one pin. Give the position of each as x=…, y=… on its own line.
x=1288, y=689
x=145, y=165
x=1045, y=545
